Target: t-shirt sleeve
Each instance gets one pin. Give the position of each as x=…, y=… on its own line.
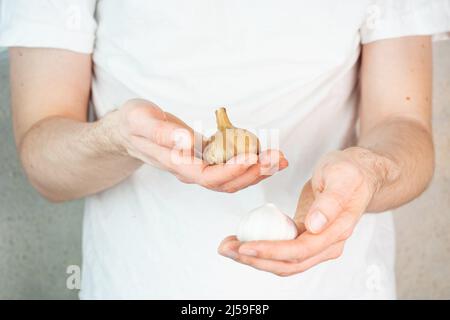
x=398, y=18
x=62, y=24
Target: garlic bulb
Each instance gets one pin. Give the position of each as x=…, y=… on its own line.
x=228, y=141
x=266, y=223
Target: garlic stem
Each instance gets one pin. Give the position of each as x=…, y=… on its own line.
x=223, y=122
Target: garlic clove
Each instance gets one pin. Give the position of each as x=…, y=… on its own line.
x=228, y=141
x=266, y=223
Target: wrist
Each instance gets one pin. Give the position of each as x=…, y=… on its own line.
x=379, y=170
x=108, y=132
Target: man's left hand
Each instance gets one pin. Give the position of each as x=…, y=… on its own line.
x=330, y=205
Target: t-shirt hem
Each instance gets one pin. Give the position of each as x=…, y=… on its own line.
x=432, y=21
x=36, y=35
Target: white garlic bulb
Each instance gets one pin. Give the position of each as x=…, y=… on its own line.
x=266, y=223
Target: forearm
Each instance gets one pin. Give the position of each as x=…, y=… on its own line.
x=66, y=159
x=401, y=161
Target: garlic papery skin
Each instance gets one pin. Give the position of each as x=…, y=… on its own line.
x=266, y=223
x=228, y=141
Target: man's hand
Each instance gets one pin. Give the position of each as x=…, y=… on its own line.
x=328, y=210
x=66, y=157
x=392, y=165
x=144, y=131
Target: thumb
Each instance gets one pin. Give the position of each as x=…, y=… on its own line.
x=162, y=132
x=168, y=134
x=338, y=183
x=145, y=119
x=325, y=209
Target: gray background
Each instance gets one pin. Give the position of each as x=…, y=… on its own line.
x=39, y=240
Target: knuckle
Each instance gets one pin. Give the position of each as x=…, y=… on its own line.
x=229, y=189
x=137, y=109
x=207, y=184
x=167, y=168
x=344, y=167
x=338, y=198
x=237, y=170
x=345, y=227
x=347, y=234
x=300, y=254
x=181, y=137
x=336, y=253
x=135, y=103
x=183, y=179
x=301, y=270
x=144, y=106
x=157, y=133
x=283, y=273
x=132, y=116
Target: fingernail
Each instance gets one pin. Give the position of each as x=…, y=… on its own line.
x=230, y=254
x=248, y=252
x=317, y=221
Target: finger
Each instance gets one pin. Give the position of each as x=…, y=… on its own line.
x=139, y=108
x=189, y=169
x=199, y=140
x=174, y=119
x=271, y=161
x=281, y=268
x=337, y=183
x=286, y=268
x=242, y=181
x=214, y=176
x=304, y=246
x=332, y=252
x=157, y=155
x=229, y=247
x=166, y=134
x=325, y=209
x=148, y=120
x=251, y=177
x=266, y=170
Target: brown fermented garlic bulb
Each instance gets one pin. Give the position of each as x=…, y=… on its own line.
x=228, y=141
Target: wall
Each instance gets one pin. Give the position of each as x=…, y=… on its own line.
x=38, y=240
x=423, y=226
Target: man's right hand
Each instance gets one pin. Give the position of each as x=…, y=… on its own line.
x=66, y=157
x=144, y=131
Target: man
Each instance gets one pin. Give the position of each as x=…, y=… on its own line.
x=150, y=69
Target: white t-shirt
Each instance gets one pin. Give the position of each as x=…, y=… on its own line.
x=288, y=65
